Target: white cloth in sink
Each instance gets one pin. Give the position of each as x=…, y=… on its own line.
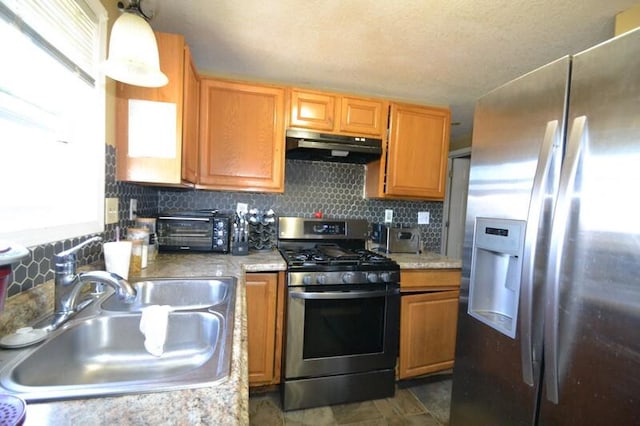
x=153, y=325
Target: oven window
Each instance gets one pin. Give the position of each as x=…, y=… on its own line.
x=343, y=327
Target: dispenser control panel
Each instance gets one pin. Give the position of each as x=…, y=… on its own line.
x=503, y=235
x=496, y=267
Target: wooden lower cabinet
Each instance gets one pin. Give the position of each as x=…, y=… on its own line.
x=265, y=323
x=428, y=324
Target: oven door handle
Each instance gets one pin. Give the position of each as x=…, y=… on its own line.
x=341, y=294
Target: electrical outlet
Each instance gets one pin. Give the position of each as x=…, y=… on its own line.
x=388, y=216
x=423, y=218
x=242, y=208
x=133, y=209
x=111, y=211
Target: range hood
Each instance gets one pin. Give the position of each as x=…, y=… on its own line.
x=313, y=146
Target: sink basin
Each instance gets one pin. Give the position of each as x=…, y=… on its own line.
x=181, y=294
x=101, y=352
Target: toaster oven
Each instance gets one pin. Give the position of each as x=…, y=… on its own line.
x=197, y=230
x=395, y=240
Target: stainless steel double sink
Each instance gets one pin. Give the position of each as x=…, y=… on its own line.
x=101, y=350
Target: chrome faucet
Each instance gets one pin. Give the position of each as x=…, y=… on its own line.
x=68, y=284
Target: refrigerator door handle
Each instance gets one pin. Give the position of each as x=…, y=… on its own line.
x=575, y=149
x=548, y=150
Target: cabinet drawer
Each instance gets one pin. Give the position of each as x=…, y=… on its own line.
x=429, y=279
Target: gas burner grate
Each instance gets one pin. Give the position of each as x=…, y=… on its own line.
x=323, y=255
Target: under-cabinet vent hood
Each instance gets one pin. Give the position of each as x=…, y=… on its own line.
x=312, y=146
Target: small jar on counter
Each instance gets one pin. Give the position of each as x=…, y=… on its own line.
x=149, y=223
x=139, y=249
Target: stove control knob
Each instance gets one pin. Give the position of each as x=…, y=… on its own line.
x=321, y=279
x=306, y=280
x=372, y=277
x=385, y=277
x=347, y=278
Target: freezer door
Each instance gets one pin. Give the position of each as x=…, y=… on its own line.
x=512, y=125
x=592, y=324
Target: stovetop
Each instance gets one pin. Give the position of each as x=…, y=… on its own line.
x=332, y=255
x=331, y=252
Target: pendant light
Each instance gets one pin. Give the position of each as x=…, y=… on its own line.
x=133, y=50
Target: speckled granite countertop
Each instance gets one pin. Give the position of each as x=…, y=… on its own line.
x=225, y=403
x=425, y=260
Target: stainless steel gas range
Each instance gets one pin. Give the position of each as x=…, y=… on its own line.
x=343, y=309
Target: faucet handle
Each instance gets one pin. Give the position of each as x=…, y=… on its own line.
x=65, y=256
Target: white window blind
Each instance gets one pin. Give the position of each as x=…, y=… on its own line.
x=51, y=119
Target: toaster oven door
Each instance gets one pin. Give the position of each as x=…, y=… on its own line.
x=185, y=233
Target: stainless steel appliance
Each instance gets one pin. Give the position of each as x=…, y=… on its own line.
x=550, y=294
x=195, y=230
x=343, y=309
x=393, y=239
x=306, y=145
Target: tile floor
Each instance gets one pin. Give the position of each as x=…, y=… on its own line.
x=423, y=401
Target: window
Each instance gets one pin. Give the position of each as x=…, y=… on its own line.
x=52, y=119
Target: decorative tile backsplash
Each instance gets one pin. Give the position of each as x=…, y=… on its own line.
x=334, y=189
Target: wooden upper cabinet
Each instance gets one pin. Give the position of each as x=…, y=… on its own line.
x=335, y=113
x=191, y=119
x=241, y=136
x=415, y=164
x=156, y=126
x=366, y=116
x=313, y=110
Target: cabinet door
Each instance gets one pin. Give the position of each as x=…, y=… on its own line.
x=136, y=160
x=417, y=152
x=241, y=136
x=427, y=332
x=312, y=110
x=190, y=120
x=265, y=320
x=366, y=116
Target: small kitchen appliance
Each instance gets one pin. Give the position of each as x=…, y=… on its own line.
x=395, y=239
x=195, y=230
x=343, y=309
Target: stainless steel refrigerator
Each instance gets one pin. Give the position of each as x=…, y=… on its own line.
x=549, y=325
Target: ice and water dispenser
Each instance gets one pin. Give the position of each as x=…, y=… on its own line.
x=496, y=268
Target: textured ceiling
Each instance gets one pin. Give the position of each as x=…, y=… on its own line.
x=438, y=52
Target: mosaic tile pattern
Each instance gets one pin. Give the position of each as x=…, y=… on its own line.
x=335, y=189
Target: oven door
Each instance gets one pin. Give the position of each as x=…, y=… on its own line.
x=341, y=329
